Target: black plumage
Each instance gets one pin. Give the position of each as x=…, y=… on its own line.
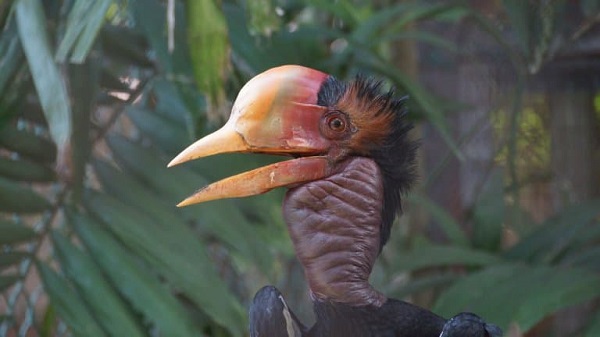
x=271, y=316
x=469, y=324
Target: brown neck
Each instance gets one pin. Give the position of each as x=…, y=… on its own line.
x=335, y=224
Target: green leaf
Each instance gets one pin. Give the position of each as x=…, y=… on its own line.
x=429, y=256
x=423, y=12
x=431, y=39
x=263, y=17
x=15, y=198
x=209, y=47
x=450, y=227
x=230, y=227
x=49, y=84
x=474, y=287
x=69, y=305
x=306, y=46
x=421, y=284
x=488, y=214
x=584, y=258
x=76, y=22
x=150, y=169
x=11, y=55
x=84, y=77
x=390, y=24
x=593, y=329
x=94, y=21
x=375, y=24
x=242, y=43
x=590, y=7
x=453, y=15
x=7, y=319
x=150, y=17
x=165, y=133
x=107, y=307
x=343, y=9
x=140, y=287
x=27, y=144
x=556, y=234
x=562, y=288
x=171, y=105
x=517, y=293
x=501, y=304
x=83, y=24
x=176, y=254
x=124, y=46
x=28, y=109
x=49, y=322
x=24, y=170
x=589, y=236
x=14, y=232
x=6, y=281
x=11, y=258
x=223, y=219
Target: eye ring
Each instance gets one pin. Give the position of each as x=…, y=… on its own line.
x=336, y=125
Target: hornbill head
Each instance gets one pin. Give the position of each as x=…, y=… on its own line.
x=307, y=114
x=352, y=159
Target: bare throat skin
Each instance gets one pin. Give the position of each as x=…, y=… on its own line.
x=335, y=227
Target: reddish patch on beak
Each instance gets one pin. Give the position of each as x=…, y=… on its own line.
x=276, y=112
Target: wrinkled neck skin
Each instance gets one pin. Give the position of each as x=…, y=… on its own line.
x=334, y=224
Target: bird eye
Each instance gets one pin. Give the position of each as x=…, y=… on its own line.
x=336, y=124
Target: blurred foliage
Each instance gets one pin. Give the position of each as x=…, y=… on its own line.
x=597, y=106
x=209, y=48
x=533, y=143
x=93, y=104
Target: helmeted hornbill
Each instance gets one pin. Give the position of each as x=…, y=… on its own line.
x=353, y=159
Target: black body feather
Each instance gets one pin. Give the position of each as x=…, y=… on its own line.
x=270, y=316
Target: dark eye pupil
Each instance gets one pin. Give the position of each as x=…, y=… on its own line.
x=336, y=124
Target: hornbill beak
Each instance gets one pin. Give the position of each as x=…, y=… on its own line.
x=276, y=112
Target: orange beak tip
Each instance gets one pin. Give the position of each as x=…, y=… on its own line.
x=174, y=161
x=186, y=202
x=179, y=159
